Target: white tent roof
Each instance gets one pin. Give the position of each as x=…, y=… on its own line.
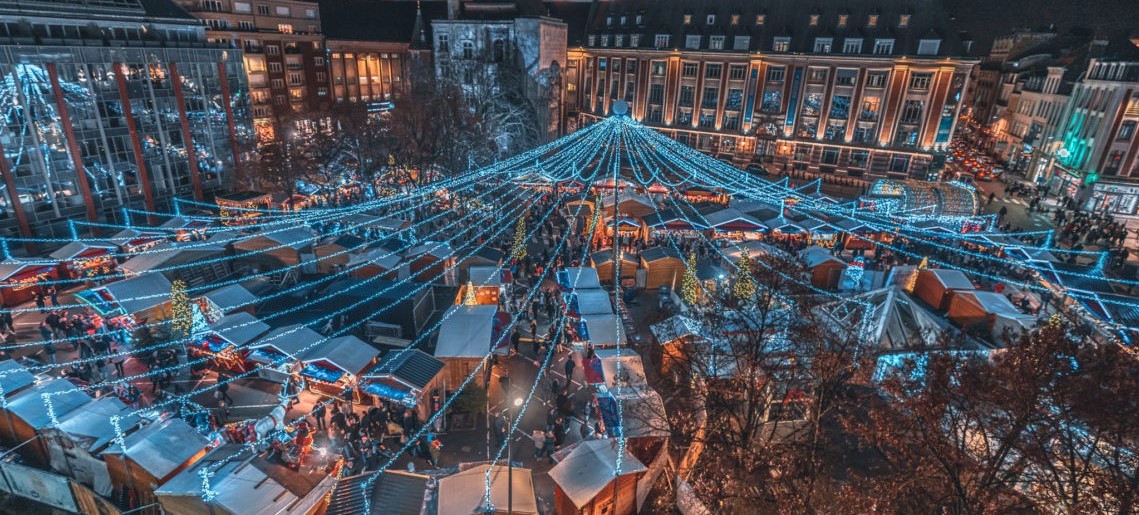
x=92, y=424
x=644, y=412
x=75, y=248
x=231, y=297
x=440, y=250
x=604, y=329
x=579, y=277
x=296, y=238
x=593, y=301
x=163, y=446
x=290, y=339
x=239, y=328
x=589, y=468
x=463, y=493
x=14, y=376
x=29, y=404
x=349, y=353
x=380, y=256
x=466, y=332
x=632, y=368
x=815, y=255
x=676, y=327
x=140, y=293
x=993, y=303
x=951, y=279
x=159, y=256
x=485, y=276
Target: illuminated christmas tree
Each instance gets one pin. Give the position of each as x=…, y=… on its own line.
x=744, y=288
x=690, y=287
x=181, y=313
x=519, y=250
x=469, y=297
x=912, y=280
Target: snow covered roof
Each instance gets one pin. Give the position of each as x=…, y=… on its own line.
x=160, y=448
x=231, y=297
x=592, y=301
x=814, y=256
x=675, y=328
x=290, y=339
x=139, y=293
x=30, y=407
x=239, y=328
x=92, y=425
x=76, y=248
x=464, y=493
x=349, y=353
x=467, y=332
x=603, y=329
x=13, y=377
x=170, y=254
x=993, y=303
x=296, y=238
x=632, y=369
x=590, y=467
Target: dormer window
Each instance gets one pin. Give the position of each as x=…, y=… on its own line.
x=609, y=20
x=711, y=20
x=640, y=19
x=688, y=19
x=814, y=20
x=929, y=46
x=760, y=18
x=842, y=19
x=904, y=21
x=623, y=20
x=872, y=21
x=735, y=20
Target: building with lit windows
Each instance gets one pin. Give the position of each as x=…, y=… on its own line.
x=284, y=54
x=111, y=103
x=863, y=88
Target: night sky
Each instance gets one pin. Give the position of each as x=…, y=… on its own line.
x=987, y=19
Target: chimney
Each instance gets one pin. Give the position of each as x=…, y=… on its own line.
x=452, y=9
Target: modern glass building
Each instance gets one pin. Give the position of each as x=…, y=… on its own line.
x=112, y=103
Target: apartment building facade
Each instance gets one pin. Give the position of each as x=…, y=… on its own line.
x=285, y=56
x=869, y=89
x=110, y=105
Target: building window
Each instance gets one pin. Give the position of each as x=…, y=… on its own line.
x=468, y=50
x=281, y=100
x=295, y=79
x=443, y=43
x=321, y=77
x=840, y=107
x=845, y=77
x=817, y=75
x=321, y=92
x=277, y=84
x=499, y=51
x=609, y=20
x=616, y=61
x=688, y=70
x=713, y=71
x=1114, y=160
x=640, y=20
x=920, y=80
x=814, y=20
x=688, y=19
x=285, y=28
x=775, y=74
x=692, y=41
x=741, y=43
x=876, y=79
x=658, y=68
x=735, y=20
x=904, y=21
x=735, y=99
x=602, y=63
x=275, y=67
x=656, y=94
x=592, y=40
x=245, y=25
x=661, y=41
x=858, y=158
x=711, y=19
x=684, y=118
x=687, y=96
x=619, y=40
x=781, y=44
x=883, y=46
x=604, y=40
x=707, y=120
x=283, y=10
x=911, y=111
x=852, y=46
x=319, y=61
x=929, y=46
x=711, y=98
x=716, y=42
x=772, y=101
x=272, y=50
x=737, y=72
x=1126, y=130
x=872, y=20
x=731, y=123
x=823, y=45
x=900, y=163
x=263, y=10
x=760, y=18
x=842, y=19
x=635, y=40
x=242, y=7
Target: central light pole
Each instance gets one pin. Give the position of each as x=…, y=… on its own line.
x=510, y=459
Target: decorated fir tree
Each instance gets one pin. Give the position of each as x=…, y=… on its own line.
x=744, y=288
x=912, y=280
x=469, y=297
x=518, y=251
x=690, y=287
x=181, y=313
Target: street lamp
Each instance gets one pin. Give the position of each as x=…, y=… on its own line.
x=510, y=460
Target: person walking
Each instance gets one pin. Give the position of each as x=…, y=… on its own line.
x=54, y=294
x=223, y=388
x=40, y=301
x=318, y=413
x=570, y=364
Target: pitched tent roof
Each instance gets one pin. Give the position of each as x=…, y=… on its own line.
x=463, y=493
x=10, y=268
x=896, y=321
x=659, y=253
x=14, y=377
x=578, y=277
x=632, y=369
x=296, y=238
x=239, y=328
x=467, y=332
x=231, y=297
x=814, y=256
x=590, y=467
x=394, y=491
x=163, y=446
x=642, y=412
x=439, y=250
x=290, y=339
x=139, y=293
x=729, y=216
x=486, y=275
x=167, y=254
x=951, y=279
x=29, y=404
x=76, y=249
x=993, y=303
x=349, y=353
x=92, y=424
x=414, y=368
x=675, y=328
x=593, y=301
x=603, y=329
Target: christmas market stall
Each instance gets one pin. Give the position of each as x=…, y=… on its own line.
x=232, y=298
x=935, y=286
x=468, y=334
x=195, y=264
x=146, y=297
x=675, y=223
x=483, y=257
x=279, y=351
x=391, y=308
x=14, y=378
x=185, y=229
x=991, y=312
x=602, y=261
x=664, y=266
x=276, y=249
x=465, y=492
x=292, y=479
x=587, y=481
x=785, y=228
x=81, y=436
x=825, y=269
x=433, y=262
x=378, y=262
x=83, y=259
x=394, y=491
x=593, y=301
x=485, y=286
x=698, y=194
x=675, y=334
x=27, y=415
x=600, y=331
x=19, y=280
x=602, y=186
x=334, y=252
x=242, y=207
x=732, y=224
x=334, y=366
x=223, y=340
x=578, y=277
x=410, y=377
x=133, y=241
x=858, y=236
x=629, y=205
x=150, y=456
